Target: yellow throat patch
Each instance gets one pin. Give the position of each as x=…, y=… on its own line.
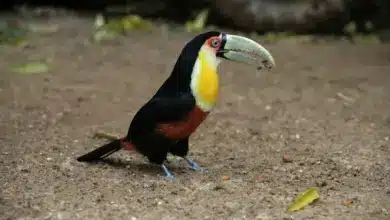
x=205, y=81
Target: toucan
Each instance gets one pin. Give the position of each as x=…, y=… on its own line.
x=165, y=123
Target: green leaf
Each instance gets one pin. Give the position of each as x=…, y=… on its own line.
x=31, y=68
x=304, y=199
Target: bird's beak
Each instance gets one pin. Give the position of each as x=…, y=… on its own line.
x=245, y=50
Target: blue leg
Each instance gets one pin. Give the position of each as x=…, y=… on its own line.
x=168, y=174
x=194, y=165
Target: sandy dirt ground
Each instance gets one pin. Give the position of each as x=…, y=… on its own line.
x=326, y=105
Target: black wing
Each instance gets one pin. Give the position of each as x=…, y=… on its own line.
x=161, y=110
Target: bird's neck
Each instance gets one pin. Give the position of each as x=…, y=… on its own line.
x=204, y=79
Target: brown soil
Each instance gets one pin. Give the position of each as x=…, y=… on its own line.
x=326, y=106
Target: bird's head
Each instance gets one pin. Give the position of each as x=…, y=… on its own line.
x=231, y=47
x=196, y=68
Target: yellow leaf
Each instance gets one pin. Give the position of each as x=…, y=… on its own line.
x=304, y=199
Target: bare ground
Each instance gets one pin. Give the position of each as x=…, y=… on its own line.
x=326, y=105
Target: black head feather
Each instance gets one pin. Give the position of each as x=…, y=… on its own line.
x=180, y=78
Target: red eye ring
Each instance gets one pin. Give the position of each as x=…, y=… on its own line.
x=214, y=42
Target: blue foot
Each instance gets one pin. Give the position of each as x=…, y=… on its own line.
x=193, y=165
x=168, y=174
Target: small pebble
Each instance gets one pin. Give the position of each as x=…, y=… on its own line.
x=225, y=178
x=321, y=183
x=287, y=159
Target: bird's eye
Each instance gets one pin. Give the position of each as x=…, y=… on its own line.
x=215, y=43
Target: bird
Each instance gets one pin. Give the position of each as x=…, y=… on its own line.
x=164, y=124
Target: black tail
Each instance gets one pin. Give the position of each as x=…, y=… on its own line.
x=102, y=151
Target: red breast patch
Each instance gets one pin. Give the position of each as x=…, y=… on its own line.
x=183, y=129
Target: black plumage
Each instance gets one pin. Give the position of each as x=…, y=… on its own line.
x=172, y=104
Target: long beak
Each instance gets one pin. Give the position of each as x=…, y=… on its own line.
x=245, y=50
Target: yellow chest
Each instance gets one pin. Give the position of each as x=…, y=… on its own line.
x=205, y=81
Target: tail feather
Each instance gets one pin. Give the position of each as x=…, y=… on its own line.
x=102, y=151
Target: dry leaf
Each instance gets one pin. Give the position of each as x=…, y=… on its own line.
x=348, y=203
x=304, y=199
x=104, y=135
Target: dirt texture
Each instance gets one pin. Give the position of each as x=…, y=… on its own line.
x=326, y=105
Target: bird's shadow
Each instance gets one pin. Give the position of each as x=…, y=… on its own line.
x=134, y=167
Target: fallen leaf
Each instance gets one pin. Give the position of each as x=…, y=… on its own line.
x=102, y=31
x=41, y=28
x=31, y=68
x=12, y=33
x=304, y=199
x=18, y=42
x=99, y=21
x=108, y=30
x=350, y=28
x=348, y=203
x=103, y=34
x=104, y=135
x=199, y=23
x=135, y=22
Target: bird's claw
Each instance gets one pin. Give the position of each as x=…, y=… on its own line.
x=168, y=175
x=194, y=166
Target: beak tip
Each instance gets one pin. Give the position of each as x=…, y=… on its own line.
x=268, y=63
